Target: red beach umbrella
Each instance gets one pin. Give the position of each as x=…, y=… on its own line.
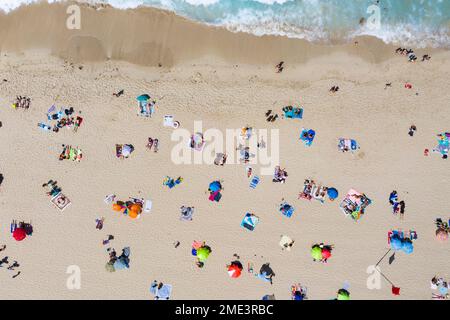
x=19, y=234
x=234, y=271
x=326, y=253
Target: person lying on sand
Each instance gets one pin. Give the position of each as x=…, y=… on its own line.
x=118, y=94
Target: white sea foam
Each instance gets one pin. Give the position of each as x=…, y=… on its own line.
x=313, y=20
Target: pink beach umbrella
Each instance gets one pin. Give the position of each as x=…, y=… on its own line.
x=441, y=234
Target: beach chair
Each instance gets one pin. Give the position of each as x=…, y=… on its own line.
x=250, y=221
x=254, y=182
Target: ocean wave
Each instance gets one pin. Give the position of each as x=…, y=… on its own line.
x=421, y=23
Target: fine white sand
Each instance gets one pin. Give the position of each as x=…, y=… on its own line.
x=226, y=89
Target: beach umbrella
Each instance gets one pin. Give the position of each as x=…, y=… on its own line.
x=202, y=254
x=120, y=264
x=133, y=214
x=234, y=271
x=19, y=234
x=316, y=253
x=110, y=267
x=215, y=186
x=443, y=289
x=396, y=243
x=332, y=193
x=143, y=98
x=441, y=234
x=408, y=247
x=117, y=207
x=343, y=295
x=126, y=150
x=326, y=253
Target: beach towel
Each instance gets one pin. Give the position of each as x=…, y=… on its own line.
x=286, y=209
x=250, y=221
x=254, y=182
x=60, y=201
x=307, y=136
x=168, y=121
x=348, y=145
x=163, y=293
x=148, y=205
x=295, y=113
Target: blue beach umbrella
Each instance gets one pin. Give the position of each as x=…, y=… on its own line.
x=408, y=247
x=332, y=193
x=143, y=98
x=215, y=186
x=396, y=243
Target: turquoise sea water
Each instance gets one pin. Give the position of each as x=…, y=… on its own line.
x=416, y=23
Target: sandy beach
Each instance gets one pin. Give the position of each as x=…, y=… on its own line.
x=227, y=81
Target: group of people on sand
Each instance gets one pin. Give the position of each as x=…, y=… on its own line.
x=280, y=175
x=64, y=118
x=153, y=143
x=22, y=102
x=441, y=286
x=11, y=266
x=397, y=206
x=411, y=55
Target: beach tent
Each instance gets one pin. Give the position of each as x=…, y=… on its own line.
x=316, y=253
x=19, y=234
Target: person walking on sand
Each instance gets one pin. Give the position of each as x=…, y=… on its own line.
x=280, y=67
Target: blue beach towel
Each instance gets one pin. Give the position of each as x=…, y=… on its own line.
x=254, y=182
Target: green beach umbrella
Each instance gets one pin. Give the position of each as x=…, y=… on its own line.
x=202, y=254
x=316, y=253
x=343, y=295
x=110, y=267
